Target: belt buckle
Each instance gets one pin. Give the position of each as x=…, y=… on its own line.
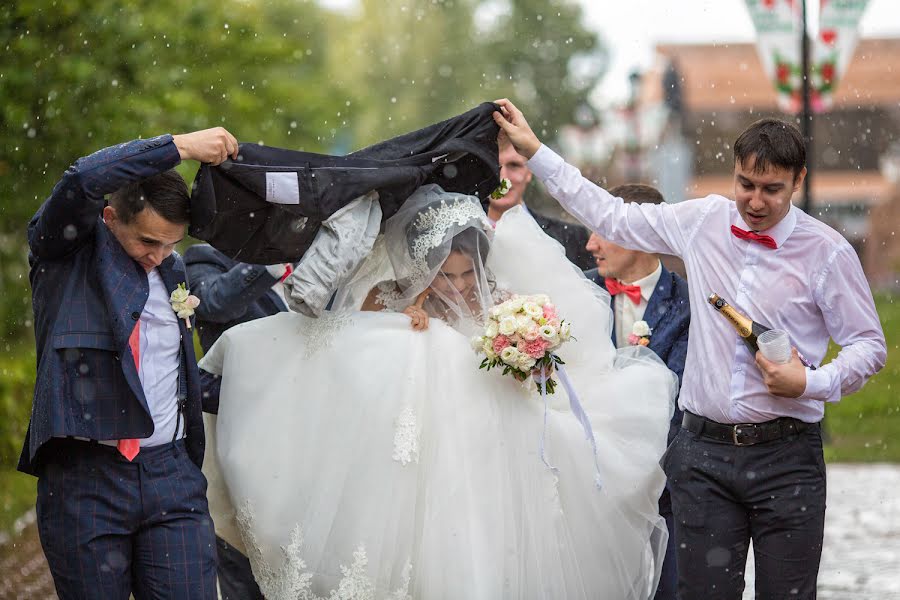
x=735, y=431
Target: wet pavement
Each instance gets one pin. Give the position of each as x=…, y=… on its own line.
x=860, y=561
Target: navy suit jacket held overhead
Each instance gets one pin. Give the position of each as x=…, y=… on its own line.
x=669, y=315
x=87, y=295
x=230, y=293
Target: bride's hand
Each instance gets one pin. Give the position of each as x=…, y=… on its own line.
x=417, y=314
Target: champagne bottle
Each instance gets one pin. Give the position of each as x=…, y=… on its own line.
x=748, y=329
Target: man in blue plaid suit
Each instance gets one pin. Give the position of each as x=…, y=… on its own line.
x=116, y=435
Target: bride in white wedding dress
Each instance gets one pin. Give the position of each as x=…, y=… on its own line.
x=367, y=459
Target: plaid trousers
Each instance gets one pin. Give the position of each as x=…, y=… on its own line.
x=110, y=528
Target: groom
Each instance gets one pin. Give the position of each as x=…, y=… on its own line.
x=642, y=290
x=116, y=437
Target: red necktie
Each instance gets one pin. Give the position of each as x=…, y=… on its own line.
x=614, y=287
x=129, y=448
x=763, y=239
x=288, y=269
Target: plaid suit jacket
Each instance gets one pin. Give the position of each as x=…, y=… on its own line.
x=87, y=295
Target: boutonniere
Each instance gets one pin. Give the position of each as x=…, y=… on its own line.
x=184, y=303
x=502, y=189
x=640, y=334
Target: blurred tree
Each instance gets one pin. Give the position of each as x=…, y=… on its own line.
x=413, y=63
x=79, y=75
x=544, y=59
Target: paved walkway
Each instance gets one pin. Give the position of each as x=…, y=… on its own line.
x=861, y=556
x=861, y=560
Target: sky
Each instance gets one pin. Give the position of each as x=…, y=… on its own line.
x=630, y=35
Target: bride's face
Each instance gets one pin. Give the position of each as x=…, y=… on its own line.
x=456, y=275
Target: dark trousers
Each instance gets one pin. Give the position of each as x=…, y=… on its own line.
x=725, y=495
x=236, y=580
x=110, y=528
x=668, y=578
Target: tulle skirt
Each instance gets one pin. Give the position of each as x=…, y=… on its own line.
x=366, y=460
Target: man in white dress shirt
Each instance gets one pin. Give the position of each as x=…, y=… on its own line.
x=747, y=463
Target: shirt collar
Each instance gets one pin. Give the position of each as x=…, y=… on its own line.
x=780, y=232
x=524, y=208
x=648, y=283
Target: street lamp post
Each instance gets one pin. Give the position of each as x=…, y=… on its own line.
x=633, y=135
x=806, y=112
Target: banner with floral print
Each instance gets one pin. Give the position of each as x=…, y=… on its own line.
x=778, y=27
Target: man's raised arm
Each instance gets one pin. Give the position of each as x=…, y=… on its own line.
x=660, y=228
x=68, y=217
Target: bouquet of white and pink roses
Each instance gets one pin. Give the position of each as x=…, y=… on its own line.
x=520, y=335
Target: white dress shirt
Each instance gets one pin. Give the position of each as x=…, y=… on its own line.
x=627, y=312
x=812, y=286
x=160, y=345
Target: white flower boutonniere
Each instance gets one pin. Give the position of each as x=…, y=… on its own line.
x=184, y=303
x=502, y=189
x=640, y=334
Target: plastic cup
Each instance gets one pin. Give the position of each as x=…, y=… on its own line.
x=775, y=345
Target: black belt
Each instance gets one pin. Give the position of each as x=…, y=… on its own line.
x=743, y=434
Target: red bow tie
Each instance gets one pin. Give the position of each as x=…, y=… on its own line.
x=614, y=287
x=766, y=240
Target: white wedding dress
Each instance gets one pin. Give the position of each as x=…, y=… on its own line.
x=366, y=460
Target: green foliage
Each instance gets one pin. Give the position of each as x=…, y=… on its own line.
x=865, y=427
x=16, y=388
x=79, y=75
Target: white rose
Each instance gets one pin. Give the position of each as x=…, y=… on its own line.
x=640, y=328
x=523, y=324
x=508, y=325
x=184, y=313
x=179, y=295
x=492, y=329
x=541, y=299
x=549, y=333
x=477, y=343
x=532, y=310
x=510, y=355
x=515, y=305
x=525, y=363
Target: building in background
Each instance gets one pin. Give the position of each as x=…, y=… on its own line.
x=723, y=88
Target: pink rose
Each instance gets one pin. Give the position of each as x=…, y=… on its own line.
x=532, y=334
x=500, y=342
x=536, y=348
x=192, y=301
x=550, y=312
x=554, y=323
x=633, y=339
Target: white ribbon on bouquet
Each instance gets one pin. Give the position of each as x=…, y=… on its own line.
x=577, y=410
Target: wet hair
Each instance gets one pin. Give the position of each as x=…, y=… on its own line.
x=165, y=193
x=638, y=193
x=773, y=143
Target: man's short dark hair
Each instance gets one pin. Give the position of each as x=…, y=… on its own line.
x=166, y=193
x=638, y=193
x=774, y=143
